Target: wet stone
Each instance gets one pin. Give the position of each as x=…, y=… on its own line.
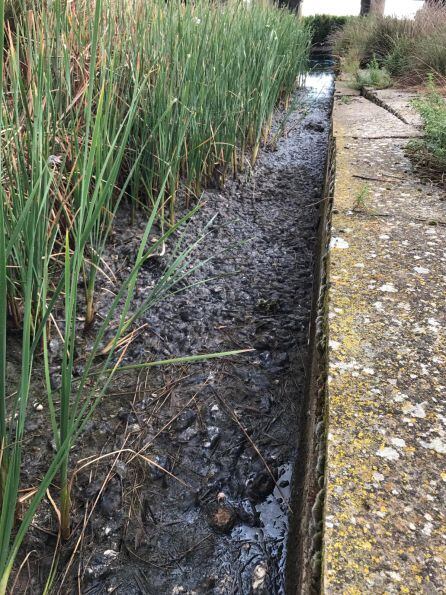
x=187, y=435
x=222, y=518
x=213, y=436
x=164, y=462
x=316, y=126
x=185, y=419
x=259, y=486
x=260, y=579
x=248, y=514
x=110, y=501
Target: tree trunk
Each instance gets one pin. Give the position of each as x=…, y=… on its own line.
x=292, y=4
x=365, y=7
x=372, y=7
x=377, y=7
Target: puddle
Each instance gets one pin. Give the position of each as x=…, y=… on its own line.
x=320, y=79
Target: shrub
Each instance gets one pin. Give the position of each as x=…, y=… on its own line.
x=324, y=26
x=432, y=148
x=373, y=76
x=407, y=48
x=397, y=61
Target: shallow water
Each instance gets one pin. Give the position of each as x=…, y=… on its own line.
x=320, y=78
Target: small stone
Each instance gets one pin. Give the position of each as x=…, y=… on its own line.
x=247, y=513
x=222, y=518
x=316, y=126
x=259, y=486
x=259, y=576
x=388, y=453
x=164, y=462
x=134, y=428
x=187, y=435
x=185, y=420
x=121, y=469
x=338, y=243
x=398, y=442
x=389, y=288
x=110, y=554
x=213, y=435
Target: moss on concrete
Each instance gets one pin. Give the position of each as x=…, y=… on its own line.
x=385, y=484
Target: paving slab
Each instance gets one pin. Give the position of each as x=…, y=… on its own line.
x=384, y=519
x=343, y=88
x=362, y=118
x=398, y=102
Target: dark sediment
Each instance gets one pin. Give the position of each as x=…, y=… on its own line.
x=213, y=517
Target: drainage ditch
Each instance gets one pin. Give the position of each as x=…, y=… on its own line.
x=235, y=505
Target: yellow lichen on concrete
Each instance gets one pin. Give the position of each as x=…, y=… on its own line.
x=384, y=519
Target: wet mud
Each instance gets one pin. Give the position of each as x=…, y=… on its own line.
x=212, y=514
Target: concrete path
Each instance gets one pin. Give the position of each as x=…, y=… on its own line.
x=384, y=529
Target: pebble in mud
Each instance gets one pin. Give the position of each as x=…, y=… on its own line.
x=158, y=472
x=222, y=517
x=185, y=419
x=316, y=126
x=259, y=486
x=259, y=579
x=110, y=502
x=187, y=435
x=248, y=513
x=213, y=437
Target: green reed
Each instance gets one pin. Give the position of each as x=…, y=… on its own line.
x=102, y=102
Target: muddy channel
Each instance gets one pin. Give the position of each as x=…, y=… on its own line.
x=215, y=518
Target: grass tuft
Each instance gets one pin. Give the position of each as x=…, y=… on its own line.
x=408, y=49
x=430, y=151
